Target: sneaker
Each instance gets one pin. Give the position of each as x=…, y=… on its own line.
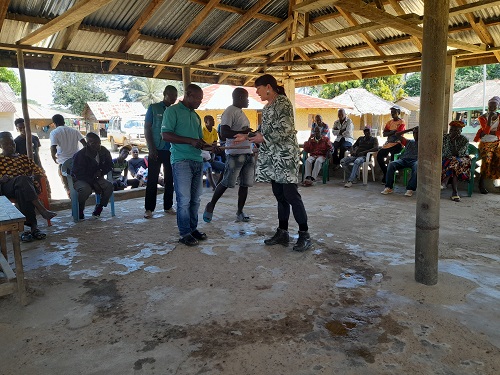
x=348, y=184
x=81, y=215
x=148, y=214
x=170, y=211
x=409, y=193
x=387, y=191
x=355, y=181
x=97, y=211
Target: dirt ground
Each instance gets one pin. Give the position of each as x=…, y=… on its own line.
x=119, y=295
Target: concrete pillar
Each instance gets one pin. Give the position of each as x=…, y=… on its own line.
x=289, y=84
x=430, y=140
x=448, y=92
x=186, y=77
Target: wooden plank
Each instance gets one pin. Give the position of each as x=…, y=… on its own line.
x=472, y=7
x=308, y=5
x=4, y=6
x=6, y=269
x=232, y=9
x=71, y=16
x=186, y=34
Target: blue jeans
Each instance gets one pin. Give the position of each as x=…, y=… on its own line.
x=239, y=165
x=357, y=163
x=400, y=164
x=188, y=184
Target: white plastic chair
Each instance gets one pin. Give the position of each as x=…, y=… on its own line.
x=368, y=165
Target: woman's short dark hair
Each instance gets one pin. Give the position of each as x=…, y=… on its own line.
x=268, y=79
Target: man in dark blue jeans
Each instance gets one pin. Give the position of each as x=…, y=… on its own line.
x=159, y=153
x=409, y=159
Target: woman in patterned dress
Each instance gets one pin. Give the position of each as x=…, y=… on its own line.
x=278, y=161
x=456, y=159
x=489, y=145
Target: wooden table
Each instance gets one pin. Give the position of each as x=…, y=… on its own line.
x=11, y=220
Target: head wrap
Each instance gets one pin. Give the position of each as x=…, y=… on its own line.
x=458, y=124
x=495, y=99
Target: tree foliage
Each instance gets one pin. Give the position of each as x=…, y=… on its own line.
x=74, y=90
x=8, y=75
x=389, y=88
x=147, y=90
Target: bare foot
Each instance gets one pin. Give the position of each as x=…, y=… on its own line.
x=47, y=215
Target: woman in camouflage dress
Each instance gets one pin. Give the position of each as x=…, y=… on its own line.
x=278, y=161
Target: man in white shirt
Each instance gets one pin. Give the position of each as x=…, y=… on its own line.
x=239, y=162
x=64, y=144
x=343, y=128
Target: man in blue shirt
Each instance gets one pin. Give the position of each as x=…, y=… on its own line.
x=182, y=128
x=159, y=153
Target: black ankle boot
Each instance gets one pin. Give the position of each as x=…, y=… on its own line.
x=303, y=243
x=280, y=237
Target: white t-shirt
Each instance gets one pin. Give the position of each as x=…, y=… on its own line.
x=67, y=141
x=494, y=127
x=236, y=119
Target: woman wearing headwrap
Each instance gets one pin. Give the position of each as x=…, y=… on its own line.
x=489, y=145
x=456, y=159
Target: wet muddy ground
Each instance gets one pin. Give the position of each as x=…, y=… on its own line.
x=121, y=296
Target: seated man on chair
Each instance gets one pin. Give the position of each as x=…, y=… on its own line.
x=408, y=160
x=17, y=173
x=90, y=166
x=319, y=148
x=360, y=148
x=120, y=170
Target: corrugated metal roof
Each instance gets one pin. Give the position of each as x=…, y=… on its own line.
x=103, y=111
x=106, y=28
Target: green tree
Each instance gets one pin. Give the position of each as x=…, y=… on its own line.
x=389, y=87
x=412, y=84
x=74, y=90
x=8, y=75
x=147, y=90
x=331, y=90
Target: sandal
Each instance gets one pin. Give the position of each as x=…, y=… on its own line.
x=455, y=198
x=26, y=237
x=242, y=217
x=207, y=216
x=38, y=234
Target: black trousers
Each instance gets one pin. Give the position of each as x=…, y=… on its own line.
x=21, y=189
x=152, y=184
x=288, y=195
x=382, y=154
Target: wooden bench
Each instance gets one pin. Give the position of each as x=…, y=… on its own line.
x=11, y=220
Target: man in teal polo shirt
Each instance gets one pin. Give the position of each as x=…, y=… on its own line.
x=182, y=128
x=159, y=153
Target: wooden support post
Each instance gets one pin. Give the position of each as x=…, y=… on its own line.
x=430, y=141
x=448, y=92
x=24, y=103
x=289, y=85
x=186, y=77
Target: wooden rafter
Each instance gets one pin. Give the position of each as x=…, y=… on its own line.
x=4, y=6
x=68, y=37
x=472, y=7
x=299, y=42
x=231, y=9
x=186, y=34
x=400, y=11
x=73, y=15
x=135, y=31
x=237, y=25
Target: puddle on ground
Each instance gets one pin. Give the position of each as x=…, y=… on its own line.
x=350, y=279
x=338, y=328
x=207, y=250
x=63, y=256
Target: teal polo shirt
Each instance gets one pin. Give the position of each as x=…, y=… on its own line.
x=181, y=120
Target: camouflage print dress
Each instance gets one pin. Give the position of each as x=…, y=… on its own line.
x=279, y=153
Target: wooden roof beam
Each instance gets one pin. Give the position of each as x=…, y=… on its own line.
x=400, y=11
x=296, y=43
x=4, y=7
x=73, y=15
x=231, y=9
x=235, y=27
x=187, y=33
x=68, y=36
x=472, y=7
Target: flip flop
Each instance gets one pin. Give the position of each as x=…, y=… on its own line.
x=207, y=216
x=455, y=198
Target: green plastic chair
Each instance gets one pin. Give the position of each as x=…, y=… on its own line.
x=324, y=167
x=406, y=171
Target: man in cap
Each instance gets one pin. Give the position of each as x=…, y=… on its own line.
x=393, y=144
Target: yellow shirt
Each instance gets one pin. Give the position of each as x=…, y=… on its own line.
x=210, y=137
